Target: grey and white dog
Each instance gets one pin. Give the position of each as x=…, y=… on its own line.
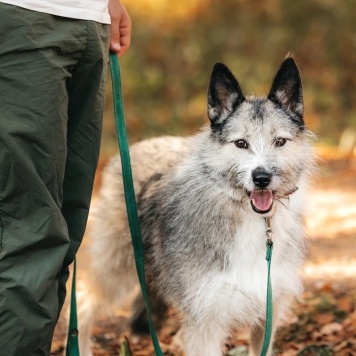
x=202, y=203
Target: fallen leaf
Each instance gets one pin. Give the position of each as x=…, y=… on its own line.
x=324, y=318
x=330, y=328
x=345, y=304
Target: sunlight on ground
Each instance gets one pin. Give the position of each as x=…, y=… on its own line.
x=333, y=213
x=331, y=226
x=337, y=268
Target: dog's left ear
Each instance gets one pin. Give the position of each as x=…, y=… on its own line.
x=224, y=94
x=287, y=91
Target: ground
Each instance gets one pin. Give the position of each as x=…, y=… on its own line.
x=324, y=322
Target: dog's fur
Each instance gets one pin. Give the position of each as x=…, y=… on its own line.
x=202, y=203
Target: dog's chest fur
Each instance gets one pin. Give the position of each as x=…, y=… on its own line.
x=238, y=293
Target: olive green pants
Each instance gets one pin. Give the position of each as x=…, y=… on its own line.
x=52, y=87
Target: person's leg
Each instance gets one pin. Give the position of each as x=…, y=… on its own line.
x=37, y=55
x=86, y=90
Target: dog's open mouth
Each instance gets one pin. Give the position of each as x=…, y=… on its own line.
x=261, y=201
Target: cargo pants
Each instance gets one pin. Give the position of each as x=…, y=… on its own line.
x=52, y=88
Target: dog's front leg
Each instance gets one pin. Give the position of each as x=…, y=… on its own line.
x=203, y=340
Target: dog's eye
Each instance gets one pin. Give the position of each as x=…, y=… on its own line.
x=241, y=144
x=279, y=142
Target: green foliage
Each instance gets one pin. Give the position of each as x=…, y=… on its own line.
x=167, y=70
x=125, y=349
x=324, y=305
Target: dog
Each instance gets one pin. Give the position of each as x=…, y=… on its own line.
x=202, y=203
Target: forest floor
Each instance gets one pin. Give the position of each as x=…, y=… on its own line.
x=322, y=324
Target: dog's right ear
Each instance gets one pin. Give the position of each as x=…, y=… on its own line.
x=224, y=94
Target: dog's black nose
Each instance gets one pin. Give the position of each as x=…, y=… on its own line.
x=261, y=178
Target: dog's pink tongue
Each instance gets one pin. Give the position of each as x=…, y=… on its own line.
x=262, y=199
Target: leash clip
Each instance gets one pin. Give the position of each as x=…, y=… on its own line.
x=268, y=231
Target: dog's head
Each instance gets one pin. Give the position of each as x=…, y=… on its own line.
x=263, y=140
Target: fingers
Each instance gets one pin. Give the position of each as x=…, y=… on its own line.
x=120, y=28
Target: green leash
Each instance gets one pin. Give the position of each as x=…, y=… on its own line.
x=134, y=224
x=269, y=301
x=131, y=207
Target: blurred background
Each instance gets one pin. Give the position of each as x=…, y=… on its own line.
x=175, y=43
x=166, y=73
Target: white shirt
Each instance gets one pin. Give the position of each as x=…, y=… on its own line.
x=96, y=10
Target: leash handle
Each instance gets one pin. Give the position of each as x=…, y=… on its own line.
x=131, y=207
x=72, y=348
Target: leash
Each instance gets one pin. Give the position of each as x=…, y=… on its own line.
x=72, y=348
x=269, y=301
x=131, y=207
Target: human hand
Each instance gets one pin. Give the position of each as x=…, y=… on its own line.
x=120, y=28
